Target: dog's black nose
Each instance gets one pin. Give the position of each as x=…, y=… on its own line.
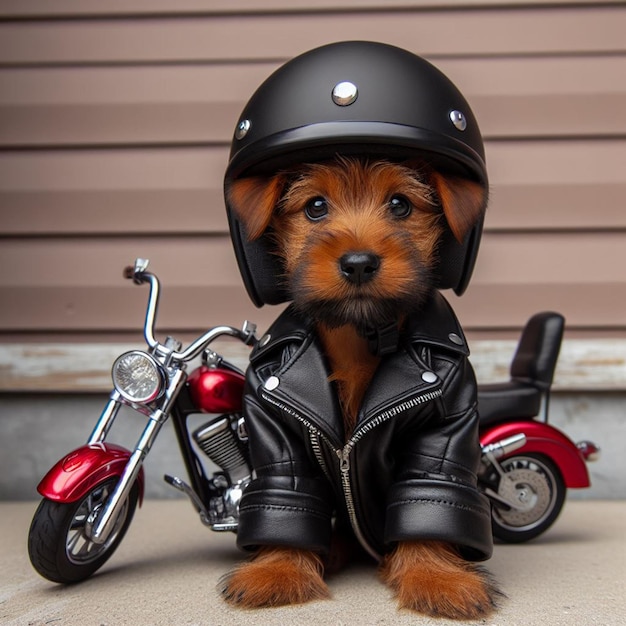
x=359, y=267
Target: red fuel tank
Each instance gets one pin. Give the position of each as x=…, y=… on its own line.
x=216, y=390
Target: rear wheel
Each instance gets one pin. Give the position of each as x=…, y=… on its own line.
x=536, y=485
x=59, y=544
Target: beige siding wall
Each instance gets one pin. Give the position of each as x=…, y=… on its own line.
x=115, y=120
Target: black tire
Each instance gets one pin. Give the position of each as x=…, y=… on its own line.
x=538, y=483
x=58, y=547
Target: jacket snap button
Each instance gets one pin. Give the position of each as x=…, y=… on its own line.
x=271, y=383
x=429, y=377
x=265, y=340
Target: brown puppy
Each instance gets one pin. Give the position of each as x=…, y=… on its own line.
x=358, y=244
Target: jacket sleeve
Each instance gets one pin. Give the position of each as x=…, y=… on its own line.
x=435, y=495
x=289, y=501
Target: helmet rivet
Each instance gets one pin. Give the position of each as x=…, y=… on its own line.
x=345, y=93
x=458, y=119
x=242, y=129
x=454, y=338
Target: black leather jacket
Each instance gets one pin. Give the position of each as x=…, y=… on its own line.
x=407, y=472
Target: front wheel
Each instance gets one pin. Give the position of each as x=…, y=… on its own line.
x=536, y=485
x=59, y=544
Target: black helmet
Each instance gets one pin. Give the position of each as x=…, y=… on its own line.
x=354, y=98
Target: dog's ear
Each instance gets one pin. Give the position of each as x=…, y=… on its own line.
x=463, y=201
x=253, y=200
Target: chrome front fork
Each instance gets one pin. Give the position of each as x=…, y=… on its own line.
x=107, y=418
x=106, y=517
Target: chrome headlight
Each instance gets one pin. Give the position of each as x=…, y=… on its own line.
x=138, y=377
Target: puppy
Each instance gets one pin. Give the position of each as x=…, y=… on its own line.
x=358, y=245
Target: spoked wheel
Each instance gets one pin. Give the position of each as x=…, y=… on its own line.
x=535, y=485
x=59, y=544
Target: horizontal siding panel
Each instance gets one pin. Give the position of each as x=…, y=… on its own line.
x=159, y=105
x=489, y=76
x=132, y=85
x=596, y=306
x=587, y=307
x=194, y=123
x=98, y=262
x=551, y=116
x=565, y=206
x=119, y=170
x=535, y=185
x=536, y=258
x=530, y=207
x=529, y=162
x=515, y=258
x=563, y=161
x=509, y=163
x=489, y=32
x=535, y=75
x=113, y=212
x=76, y=284
x=116, y=125
x=95, y=308
x=92, y=8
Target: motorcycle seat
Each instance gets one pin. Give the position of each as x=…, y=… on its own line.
x=531, y=370
x=507, y=401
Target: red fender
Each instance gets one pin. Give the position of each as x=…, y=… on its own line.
x=81, y=470
x=544, y=439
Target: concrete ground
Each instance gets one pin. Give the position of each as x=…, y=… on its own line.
x=167, y=568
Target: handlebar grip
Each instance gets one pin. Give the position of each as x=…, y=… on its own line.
x=129, y=272
x=137, y=272
x=248, y=333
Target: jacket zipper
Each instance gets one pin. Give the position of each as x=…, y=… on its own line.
x=315, y=434
x=346, y=483
x=344, y=453
x=344, y=458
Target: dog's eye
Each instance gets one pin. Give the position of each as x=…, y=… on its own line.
x=316, y=209
x=400, y=206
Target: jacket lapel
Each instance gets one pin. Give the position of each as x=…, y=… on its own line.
x=301, y=381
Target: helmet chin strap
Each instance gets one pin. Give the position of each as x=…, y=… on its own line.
x=382, y=339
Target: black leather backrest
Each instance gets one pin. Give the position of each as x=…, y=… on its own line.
x=538, y=349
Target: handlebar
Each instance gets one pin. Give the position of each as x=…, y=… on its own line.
x=246, y=335
x=139, y=275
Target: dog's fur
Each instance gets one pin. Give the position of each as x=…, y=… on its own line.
x=317, y=214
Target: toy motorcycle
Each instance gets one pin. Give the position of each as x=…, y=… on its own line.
x=90, y=495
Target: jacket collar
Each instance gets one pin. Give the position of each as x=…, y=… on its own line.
x=400, y=376
x=436, y=325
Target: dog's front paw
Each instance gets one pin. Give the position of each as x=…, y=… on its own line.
x=432, y=579
x=276, y=577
